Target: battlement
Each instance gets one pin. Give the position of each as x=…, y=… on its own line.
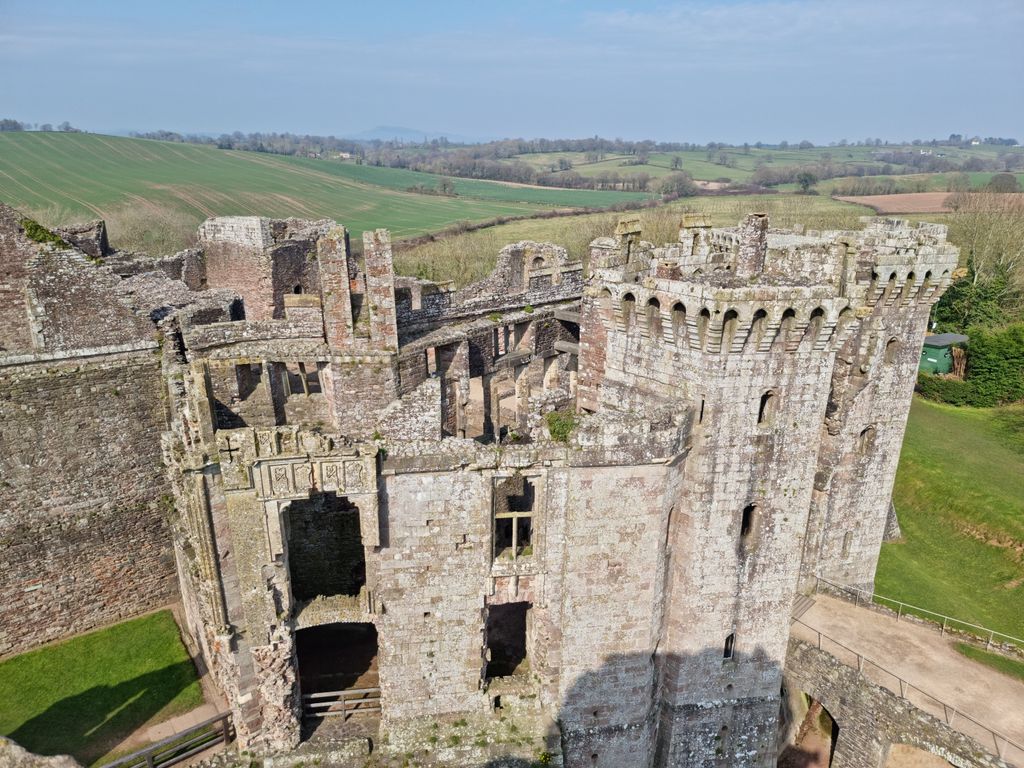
x=752, y=289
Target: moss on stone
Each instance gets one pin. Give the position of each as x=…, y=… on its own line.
x=37, y=233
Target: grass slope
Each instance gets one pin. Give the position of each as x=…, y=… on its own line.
x=136, y=184
x=959, y=495
x=84, y=696
x=470, y=256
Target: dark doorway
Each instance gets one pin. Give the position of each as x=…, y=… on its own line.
x=506, y=639
x=325, y=547
x=338, y=679
x=337, y=657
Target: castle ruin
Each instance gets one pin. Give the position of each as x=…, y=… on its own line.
x=580, y=497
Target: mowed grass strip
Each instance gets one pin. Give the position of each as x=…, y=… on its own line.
x=959, y=494
x=1006, y=665
x=84, y=696
x=81, y=176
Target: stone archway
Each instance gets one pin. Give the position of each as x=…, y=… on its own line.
x=813, y=733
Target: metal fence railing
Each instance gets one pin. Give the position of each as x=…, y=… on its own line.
x=945, y=623
x=180, y=746
x=1005, y=747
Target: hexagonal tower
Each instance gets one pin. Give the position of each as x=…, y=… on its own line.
x=787, y=345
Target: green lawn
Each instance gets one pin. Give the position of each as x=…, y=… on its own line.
x=1006, y=665
x=141, y=187
x=84, y=696
x=959, y=495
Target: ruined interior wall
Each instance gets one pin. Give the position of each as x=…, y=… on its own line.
x=431, y=584
x=293, y=264
x=83, y=497
x=15, y=333
x=359, y=388
x=235, y=257
x=76, y=304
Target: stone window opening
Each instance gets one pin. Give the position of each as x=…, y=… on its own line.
x=654, y=318
x=513, y=518
x=248, y=378
x=703, y=321
x=750, y=528
x=700, y=413
x=730, y=324
x=326, y=556
x=628, y=311
x=430, y=361
x=767, y=407
x=604, y=307
x=865, y=440
x=847, y=541
x=892, y=348
x=678, y=322
x=730, y=646
x=302, y=380
x=297, y=289
x=506, y=631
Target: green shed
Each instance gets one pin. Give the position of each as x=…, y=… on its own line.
x=937, y=354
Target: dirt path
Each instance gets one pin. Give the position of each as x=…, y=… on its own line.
x=924, y=658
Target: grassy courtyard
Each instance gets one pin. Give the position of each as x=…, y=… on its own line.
x=84, y=696
x=959, y=495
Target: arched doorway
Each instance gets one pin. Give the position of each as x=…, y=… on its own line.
x=814, y=740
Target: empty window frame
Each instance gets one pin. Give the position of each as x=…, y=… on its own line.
x=767, y=406
x=892, y=348
x=730, y=646
x=513, y=519
x=750, y=528
x=628, y=311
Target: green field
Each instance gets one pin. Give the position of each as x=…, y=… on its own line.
x=738, y=164
x=86, y=695
x=959, y=495
x=146, y=187
x=467, y=257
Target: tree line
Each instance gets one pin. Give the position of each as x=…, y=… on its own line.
x=8, y=124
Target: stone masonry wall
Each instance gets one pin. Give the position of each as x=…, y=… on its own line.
x=871, y=719
x=83, y=497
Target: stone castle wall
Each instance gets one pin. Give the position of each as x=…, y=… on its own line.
x=84, y=500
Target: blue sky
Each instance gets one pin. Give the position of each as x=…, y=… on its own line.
x=744, y=70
